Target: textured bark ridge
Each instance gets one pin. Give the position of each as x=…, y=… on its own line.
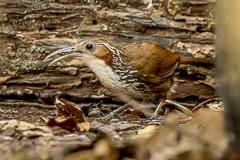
x=30, y=30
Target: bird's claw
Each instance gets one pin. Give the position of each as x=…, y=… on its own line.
x=109, y=116
x=154, y=116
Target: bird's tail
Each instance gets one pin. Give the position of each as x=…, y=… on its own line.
x=196, y=61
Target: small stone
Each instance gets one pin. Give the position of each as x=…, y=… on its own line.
x=52, y=113
x=94, y=113
x=114, y=120
x=9, y=132
x=122, y=4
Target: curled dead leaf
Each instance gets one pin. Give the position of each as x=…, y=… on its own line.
x=66, y=123
x=67, y=109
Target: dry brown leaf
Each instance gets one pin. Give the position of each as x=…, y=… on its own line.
x=66, y=109
x=66, y=123
x=25, y=129
x=84, y=126
x=4, y=79
x=203, y=137
x=61, y=112
x=103, y=149
x=146, y=132
x=209, y=125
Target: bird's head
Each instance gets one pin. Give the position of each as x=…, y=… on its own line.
x=87, y=50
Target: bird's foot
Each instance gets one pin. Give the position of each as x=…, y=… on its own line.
x=109, y=116
x=185, y=110
x=155, y=114
x=113, y=113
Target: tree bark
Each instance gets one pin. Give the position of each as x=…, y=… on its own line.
x=30, y=30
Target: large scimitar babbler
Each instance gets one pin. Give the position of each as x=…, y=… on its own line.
x=142, y=71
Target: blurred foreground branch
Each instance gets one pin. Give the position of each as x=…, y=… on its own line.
x=229, y=67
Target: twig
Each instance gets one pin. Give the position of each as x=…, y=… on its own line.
x=27, y=104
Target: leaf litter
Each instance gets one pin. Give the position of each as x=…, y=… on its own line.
x=73, y=135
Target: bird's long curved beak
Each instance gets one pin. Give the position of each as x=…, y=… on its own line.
x=75, y=53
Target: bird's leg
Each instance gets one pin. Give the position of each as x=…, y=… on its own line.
x=155, y=114
x=180, y=107
x=113, y=113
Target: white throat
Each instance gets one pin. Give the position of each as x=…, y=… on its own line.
x=103, y=72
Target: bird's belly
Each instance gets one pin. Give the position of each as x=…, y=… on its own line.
x=127, y=88
x=113, y=81
x=118, y=86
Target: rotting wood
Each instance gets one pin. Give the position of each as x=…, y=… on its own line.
x=31, y=30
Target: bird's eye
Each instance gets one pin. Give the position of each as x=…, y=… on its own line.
x=90, y=47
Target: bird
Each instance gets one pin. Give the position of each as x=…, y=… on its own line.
x=141, y=71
